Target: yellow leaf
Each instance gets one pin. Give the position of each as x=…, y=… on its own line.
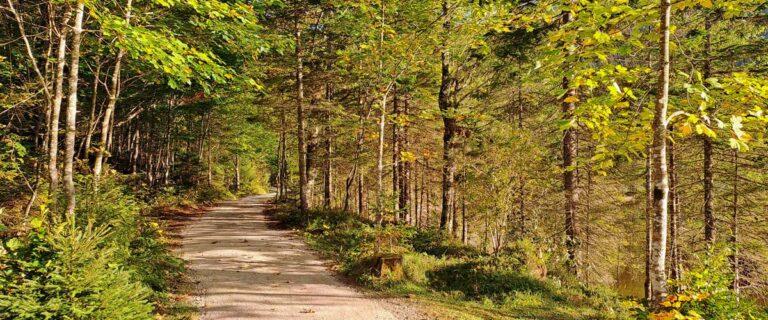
x=706, y=4
x=571, y=99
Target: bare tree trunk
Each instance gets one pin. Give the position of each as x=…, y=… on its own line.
x=396, y=190
x=734, y=241
x=380, y=162
x=114, y=93
x=674, y=249
x=569, y=172
x=53, y=148
x=328, y=176
x=404, y=169
x=74, y=70
x=449, y=131
x=92, y=119
x=312, y=166
x=708, y=210
x=464, y=231
x=660, y=179
x=648, y=227
x=521, y=180
x=302, y=152
x=210, y=164
x=237, y=174
x=361, y=195
x=136, y=150
x=570, y=182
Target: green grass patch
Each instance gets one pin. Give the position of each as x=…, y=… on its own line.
x=458, y=281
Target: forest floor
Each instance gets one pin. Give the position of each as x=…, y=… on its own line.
x=244, y=269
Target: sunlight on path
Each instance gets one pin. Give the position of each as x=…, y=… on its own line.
x=245, y=270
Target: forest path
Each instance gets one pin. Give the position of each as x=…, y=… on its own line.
x=245, y=270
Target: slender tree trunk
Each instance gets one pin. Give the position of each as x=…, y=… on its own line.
x=361, y=195
x=237, y=174
x=280, y=158
x=674, y=250
x=86, y=148
x=416, y=195
x=302, y=152
x=447, y=109
x=53, y=148
x=570, y=182
x=396, y=170
x=648, y=227
x=74, y=72
x=114, y=93
x=734, y=241
x=328, y=176
x=464, y=230
x=521, y=180
x=312, y=170
x=380, y=162
x=404, y=169
x=210, y=164
x=136, y=150
x=660, y=179
x=708, y=210
x=570, y=185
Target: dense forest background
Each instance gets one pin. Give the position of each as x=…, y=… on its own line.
x=546, y=130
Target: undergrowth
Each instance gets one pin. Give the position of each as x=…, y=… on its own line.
x=110, y=261
x=457, y=279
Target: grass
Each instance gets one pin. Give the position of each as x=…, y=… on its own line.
x=451, y=280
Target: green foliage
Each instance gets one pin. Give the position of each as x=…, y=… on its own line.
x=437, y=268
x=58, y=271
x=705, y=293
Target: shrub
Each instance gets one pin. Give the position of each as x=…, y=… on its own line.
x=704, y=293
x=63, y=272
x=437, y=243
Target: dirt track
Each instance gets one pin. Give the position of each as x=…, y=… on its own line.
x=245, y=270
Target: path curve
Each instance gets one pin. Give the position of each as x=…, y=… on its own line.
x=245, y=270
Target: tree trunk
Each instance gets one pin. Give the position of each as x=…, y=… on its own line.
x=569, y=172
x=660, y=180
x=328, y=176
x=361, y=195
x=280, y=158
x=302, y=145
x=396, y=166
x=674, y=250
x=114, y=93
x=380, y=162
x=447, y=108
x=404, y=170
x=53, y=148
x=648, y=227
x=569, y=181
x=136, y=150
x=92, y=119
x=734, y=241
x=521, y=180
x=312, y=163
x=464, y=231
x=709, y=211
x=74, y=72
x=236, y=184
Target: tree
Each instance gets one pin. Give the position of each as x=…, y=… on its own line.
x=659, y=176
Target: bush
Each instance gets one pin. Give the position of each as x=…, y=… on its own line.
x=437, y=243
x=136, y=240
x=704, y=293
x=63, y=272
